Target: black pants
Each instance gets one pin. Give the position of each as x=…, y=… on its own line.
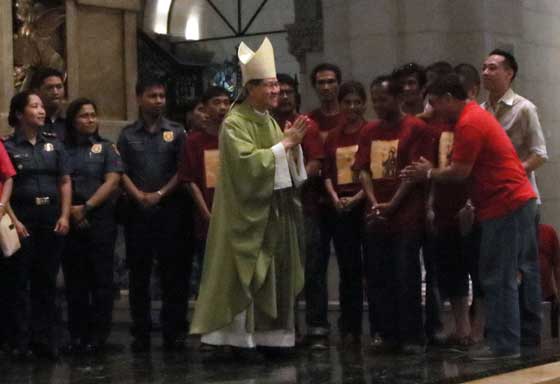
x=393, y=285
x=87, y=262
x=159, y=233
x=29, y=278
x=319, y=230
x=433, y=308
x=348, y=240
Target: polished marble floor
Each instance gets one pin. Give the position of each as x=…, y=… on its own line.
x=120, y=366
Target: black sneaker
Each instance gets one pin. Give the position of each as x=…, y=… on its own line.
x=176, y=344
x=139, y=345
x=413, y=349
x=319, y=343
x=485, y=353
x=21, y=354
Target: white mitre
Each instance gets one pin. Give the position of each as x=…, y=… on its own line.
x=259, y=64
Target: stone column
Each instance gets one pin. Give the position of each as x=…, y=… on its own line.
x=102, y=58
x=6, y=64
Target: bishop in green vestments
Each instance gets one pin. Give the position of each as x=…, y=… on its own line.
x=253, y=267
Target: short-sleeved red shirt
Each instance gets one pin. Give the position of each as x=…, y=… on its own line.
x=498, y=183
x=7, y=169
x=449, y=198
x=385, y=150
x=199, y=166
x=340, y=154
x=312, y=147
x=548, y=257
x=326, y=123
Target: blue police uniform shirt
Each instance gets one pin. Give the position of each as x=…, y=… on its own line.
x=151, y=159
x=91, y=160
x=38, y=166
x=56, y=127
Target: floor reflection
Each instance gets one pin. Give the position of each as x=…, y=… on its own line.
x=119, y=366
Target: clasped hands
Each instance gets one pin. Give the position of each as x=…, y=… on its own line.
x=294, y=133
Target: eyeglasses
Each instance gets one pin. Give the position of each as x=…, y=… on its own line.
x=286, y=92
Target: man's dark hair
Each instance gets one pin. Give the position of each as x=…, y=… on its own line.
x=509, y=60
x=440, y=68
x=212, y=92
x=448, y=84
x=468, y=74
x=352, y=87
x=411, y=69
x=145, y=82
x=17, y=105
x=71, y=113
x=284, y=78
x=326, y=67
x=394, y=87
x=43, y=73
x=191, y=104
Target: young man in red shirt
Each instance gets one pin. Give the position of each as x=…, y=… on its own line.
x=326, y=79
x=396, y=217
x=199, y=166
x=505, y=205
x=412, y=78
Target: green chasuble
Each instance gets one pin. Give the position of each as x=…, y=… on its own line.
x=253, y=260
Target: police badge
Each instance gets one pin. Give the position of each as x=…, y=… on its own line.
x=168, y=136
x=96, y=148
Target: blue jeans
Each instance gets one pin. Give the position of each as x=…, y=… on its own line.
x=508, y=246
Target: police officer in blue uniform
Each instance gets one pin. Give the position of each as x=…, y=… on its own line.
x=88, y=253
x=48, y=83
x=40, y=209
x=156, y=218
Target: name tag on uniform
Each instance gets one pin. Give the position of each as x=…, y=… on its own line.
x=211, y=167
x=345, y=157
x=383, y=157
x=96, y=148
x=48, y=147
x=168, y=136
x=445, y=149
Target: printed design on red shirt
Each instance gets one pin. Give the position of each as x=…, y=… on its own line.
x=445, y=149
x=211, y=167
x=383, y=157
x=345, y=157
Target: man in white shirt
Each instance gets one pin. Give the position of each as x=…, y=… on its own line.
x=515, y=113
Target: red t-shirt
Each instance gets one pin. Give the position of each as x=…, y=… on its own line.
x=200, y=166
x=325, y=123
x=449, y=198
x=385, y=150
x=548, y=257
x=340, y=154
x=498, y=184
x=312, y=147
x=6, y=167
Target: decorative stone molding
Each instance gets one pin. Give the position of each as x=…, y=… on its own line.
x=305, y=37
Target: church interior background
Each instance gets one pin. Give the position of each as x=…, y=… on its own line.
x=102, y=45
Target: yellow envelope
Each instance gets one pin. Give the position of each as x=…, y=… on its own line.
x=344, y=159
x=383, y=157
x=211, y=167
